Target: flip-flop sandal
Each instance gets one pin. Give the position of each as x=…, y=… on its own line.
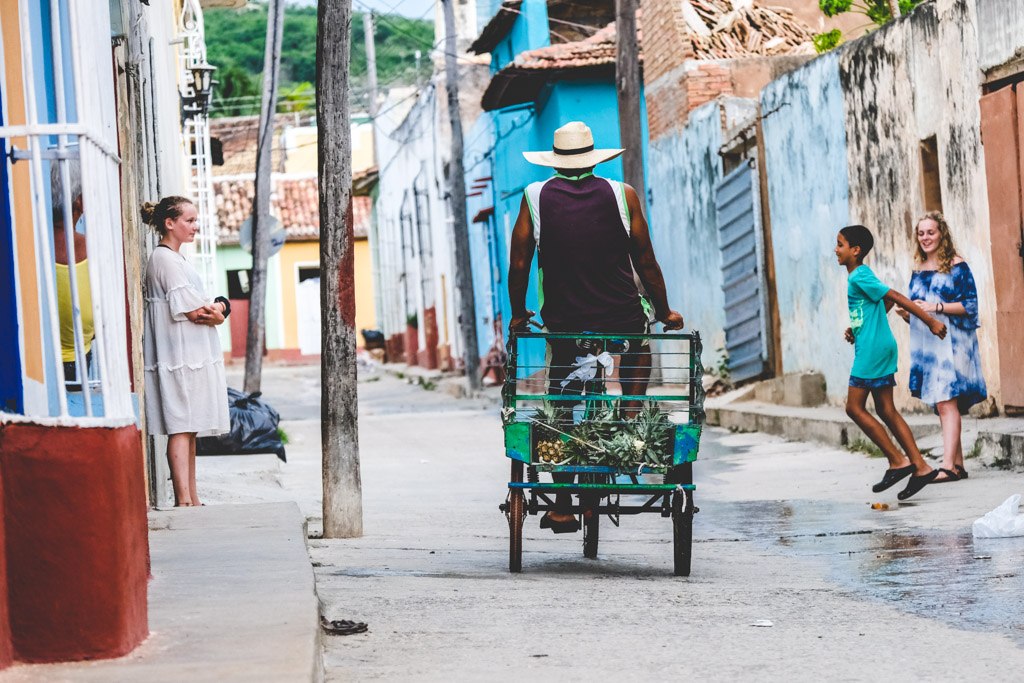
x=570, y=527
x=343, y=627
x=892, y=477
x=916, y=484
x=961, y=472
x=950, y=476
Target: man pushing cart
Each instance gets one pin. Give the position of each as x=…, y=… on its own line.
x=593, y=245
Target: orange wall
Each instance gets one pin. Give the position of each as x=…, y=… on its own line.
x=296, y=254
x=31, y=341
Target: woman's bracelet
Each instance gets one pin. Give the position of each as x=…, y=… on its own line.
x=942, y=307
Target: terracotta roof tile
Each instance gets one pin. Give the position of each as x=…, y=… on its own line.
x=293, y=200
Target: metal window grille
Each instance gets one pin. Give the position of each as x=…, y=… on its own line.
x=202, y=253
x=84, y=129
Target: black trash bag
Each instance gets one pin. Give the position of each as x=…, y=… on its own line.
x=253, y=428
x=373, y=339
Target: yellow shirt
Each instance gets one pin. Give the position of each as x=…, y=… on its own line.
x=67, y=325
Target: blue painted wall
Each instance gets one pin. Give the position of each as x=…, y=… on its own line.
x=808, y=195
x=683, y=168
x=529, y=32
x=11, y=395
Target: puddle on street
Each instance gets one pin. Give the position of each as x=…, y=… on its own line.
x=950, y=576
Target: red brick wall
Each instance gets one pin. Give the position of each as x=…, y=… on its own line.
x=74, y=512
x=705, y=81
x=666, y=49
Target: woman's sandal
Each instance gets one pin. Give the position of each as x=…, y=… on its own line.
x=892, y=477
x=950, y=476
x=343, y=627
x=916, y=484
x=960, y=471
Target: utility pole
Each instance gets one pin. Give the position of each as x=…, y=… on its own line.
x=457, y=192
x=261, y=201
x=894, y=8
x=627, y=83
x=371, y=72
x=339, y=429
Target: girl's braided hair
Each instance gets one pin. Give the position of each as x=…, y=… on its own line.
x=168, y=207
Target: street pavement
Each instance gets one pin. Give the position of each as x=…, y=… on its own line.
x=794, y=575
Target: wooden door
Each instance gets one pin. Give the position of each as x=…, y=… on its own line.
x=1002, y=132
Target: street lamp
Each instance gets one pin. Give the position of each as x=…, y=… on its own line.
x=202, y=90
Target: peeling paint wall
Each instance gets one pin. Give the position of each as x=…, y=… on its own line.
x=808, y=190
x=683, y=168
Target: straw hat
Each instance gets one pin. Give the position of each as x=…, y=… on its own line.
x=573, y=148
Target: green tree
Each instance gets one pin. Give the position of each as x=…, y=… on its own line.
x=877, y=11
x=235, y=42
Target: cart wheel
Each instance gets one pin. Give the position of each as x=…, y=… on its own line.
x=516, y=513
x=591, y=533
x=682, y=537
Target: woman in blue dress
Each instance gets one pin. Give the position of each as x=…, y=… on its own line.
x=945, y=373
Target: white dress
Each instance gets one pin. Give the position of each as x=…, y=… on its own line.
x=185, y=386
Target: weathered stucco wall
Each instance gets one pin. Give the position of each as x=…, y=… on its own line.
x=808, y=190
x=999, y=21
x=683, y=168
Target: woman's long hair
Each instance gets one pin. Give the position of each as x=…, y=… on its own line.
x=946, y=251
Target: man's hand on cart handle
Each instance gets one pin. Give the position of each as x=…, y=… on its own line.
x=673, y=321
x=521, y=322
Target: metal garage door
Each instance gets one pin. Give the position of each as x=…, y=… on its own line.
x=741, y=243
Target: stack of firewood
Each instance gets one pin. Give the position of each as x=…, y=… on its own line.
x=724, y=29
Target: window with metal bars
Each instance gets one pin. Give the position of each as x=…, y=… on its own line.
x=65, y=340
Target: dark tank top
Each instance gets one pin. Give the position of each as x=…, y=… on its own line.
x=587, y=276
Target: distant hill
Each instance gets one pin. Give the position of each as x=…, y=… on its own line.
x=235, y=42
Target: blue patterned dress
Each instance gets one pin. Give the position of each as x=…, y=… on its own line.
x=942, y=369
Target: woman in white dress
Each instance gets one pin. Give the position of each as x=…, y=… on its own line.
x=186, y=393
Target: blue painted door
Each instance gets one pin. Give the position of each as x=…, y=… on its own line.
x=741, y=243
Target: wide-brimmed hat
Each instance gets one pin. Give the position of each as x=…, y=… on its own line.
x=573, y=148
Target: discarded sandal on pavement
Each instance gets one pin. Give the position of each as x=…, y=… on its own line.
x=916, y=484
x=892, y=477
x=961, y=472
x=950, y=475
x=343, y=627
x=569, y=527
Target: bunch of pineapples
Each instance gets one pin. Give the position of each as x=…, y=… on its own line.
x=551, y=451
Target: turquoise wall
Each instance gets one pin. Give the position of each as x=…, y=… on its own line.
x=808, y=199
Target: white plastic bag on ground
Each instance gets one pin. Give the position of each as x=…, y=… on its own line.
x=1003, y=522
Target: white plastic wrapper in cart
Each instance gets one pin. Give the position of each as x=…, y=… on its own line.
x=1003, y=522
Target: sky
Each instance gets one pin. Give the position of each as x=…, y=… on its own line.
x=407, y=8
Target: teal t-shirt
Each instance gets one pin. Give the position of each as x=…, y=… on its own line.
x=874, y=347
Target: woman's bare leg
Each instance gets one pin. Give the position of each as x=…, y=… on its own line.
x=178, y=453
x=952, y=447
x=193, y=493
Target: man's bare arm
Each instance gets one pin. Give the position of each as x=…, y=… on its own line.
x=519, y=261
x=642, y=253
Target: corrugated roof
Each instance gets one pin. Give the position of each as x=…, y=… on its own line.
x=293, y=201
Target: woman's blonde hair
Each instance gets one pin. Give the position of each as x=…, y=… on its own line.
x=168, y=207
x=946, y=251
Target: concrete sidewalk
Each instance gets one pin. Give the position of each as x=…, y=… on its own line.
x=232, y=598
x=997, y=442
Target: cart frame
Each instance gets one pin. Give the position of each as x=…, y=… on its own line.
x=599, y=489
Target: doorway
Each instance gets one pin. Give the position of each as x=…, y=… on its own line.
x=1002, y=134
